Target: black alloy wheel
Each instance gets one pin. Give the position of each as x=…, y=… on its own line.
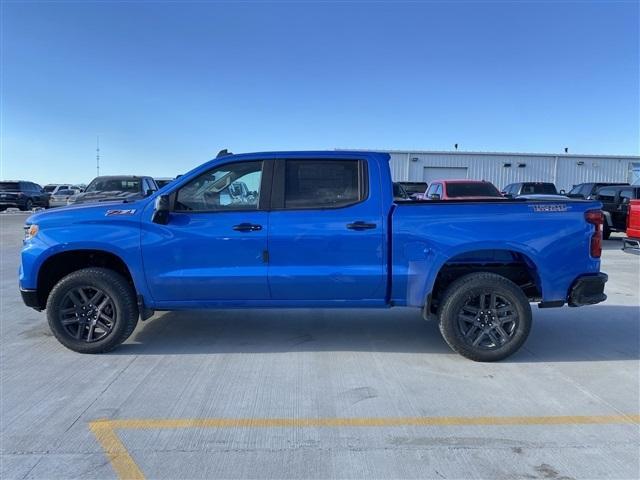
x=88, y=314
x=487, y=321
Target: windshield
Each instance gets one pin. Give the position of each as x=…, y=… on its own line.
x=114, y=185
x=7, y=186
x=546, y=188
x=412, y=188
x=49, y=188
x=472, y=190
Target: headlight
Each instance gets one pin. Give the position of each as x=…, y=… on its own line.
x=30, y=231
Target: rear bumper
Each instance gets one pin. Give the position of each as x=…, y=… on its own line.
x=588, y=290
x=631, y=245
x=30, y=299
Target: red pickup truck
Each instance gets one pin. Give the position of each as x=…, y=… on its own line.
x=632, y=240
x=461, y=190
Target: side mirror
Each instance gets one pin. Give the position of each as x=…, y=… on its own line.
x=149, y=192
x=434, y=196
x=562, y=192
x=161, y=210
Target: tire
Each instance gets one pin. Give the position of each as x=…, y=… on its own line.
x=28, y=205
x=606, y=231
x=99, y=324
x=500, y=324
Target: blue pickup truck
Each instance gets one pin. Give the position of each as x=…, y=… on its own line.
x=310, y=229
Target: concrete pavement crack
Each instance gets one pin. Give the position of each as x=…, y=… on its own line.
x=26, y=475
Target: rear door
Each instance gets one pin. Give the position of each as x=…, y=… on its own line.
x=619, y=215
x=608, y=195
x=326, y=241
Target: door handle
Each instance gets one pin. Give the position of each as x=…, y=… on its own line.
x=361, y=226
x=247, y=227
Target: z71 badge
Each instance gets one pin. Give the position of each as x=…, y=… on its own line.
x=554, y=207
x=129, y=211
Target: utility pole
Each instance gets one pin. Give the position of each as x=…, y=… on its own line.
x=98, y=156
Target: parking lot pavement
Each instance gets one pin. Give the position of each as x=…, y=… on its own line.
x=321, y=393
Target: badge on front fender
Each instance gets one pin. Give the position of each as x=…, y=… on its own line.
x=129, y=211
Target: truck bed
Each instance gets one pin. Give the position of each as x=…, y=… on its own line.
x=550, y=237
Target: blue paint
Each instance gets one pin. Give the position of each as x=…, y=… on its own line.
x=198, y=260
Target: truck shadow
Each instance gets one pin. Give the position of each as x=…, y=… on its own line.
x=598, y=333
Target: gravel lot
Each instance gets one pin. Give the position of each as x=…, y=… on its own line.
x=322, y=393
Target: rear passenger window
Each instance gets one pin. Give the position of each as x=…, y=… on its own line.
x=607, y=194
x=323, y=183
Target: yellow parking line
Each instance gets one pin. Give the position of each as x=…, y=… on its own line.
x=126, y=468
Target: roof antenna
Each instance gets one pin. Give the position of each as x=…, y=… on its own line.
x=566, y=149
x=223, y=153
x=456, y=146
x=98, y=156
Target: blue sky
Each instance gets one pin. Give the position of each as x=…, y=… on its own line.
x=167, y=84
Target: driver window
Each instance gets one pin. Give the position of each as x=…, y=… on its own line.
x=234, y=186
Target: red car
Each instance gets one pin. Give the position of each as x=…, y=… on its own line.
x=461, y=190
x=632, y=240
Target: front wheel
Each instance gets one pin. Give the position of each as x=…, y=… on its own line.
x=92, y=310
x=485, y=317
x=28, y=206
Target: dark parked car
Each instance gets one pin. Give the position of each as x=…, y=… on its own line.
x=399, y=193
x=615, y=206
x=414, y=189
x=586, y=190
x=117, y=188
x=527, y=188
x=22, y=195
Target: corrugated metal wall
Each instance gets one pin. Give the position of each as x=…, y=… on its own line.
x=563, y=170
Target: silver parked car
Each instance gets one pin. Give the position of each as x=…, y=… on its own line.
x=62, y=198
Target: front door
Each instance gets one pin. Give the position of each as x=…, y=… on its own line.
x=214, y=246
x=326, y=233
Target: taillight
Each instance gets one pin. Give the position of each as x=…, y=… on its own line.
x=595, y=217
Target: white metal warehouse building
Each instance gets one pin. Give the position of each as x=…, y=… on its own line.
x=501, y=169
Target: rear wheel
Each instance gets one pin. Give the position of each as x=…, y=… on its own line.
x=92, y=310
x=485, y=317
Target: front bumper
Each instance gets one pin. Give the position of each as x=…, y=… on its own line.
x=30, y=299
x=588, y=290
